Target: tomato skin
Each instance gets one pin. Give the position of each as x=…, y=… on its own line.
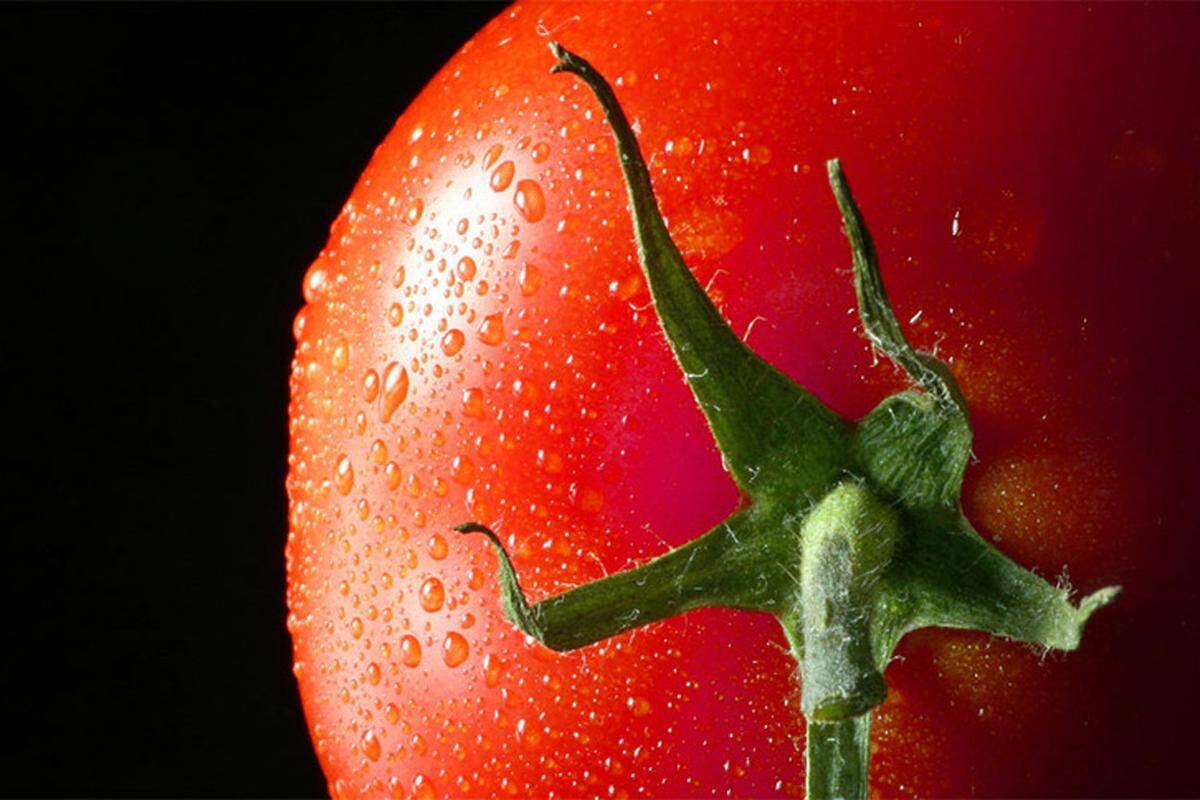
x=1032, y=183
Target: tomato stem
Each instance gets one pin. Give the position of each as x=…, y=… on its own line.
x=838, y=754
x=851, y=534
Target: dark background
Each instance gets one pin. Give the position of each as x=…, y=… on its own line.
x=169, y=174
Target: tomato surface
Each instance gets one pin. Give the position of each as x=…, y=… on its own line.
x=478, y=343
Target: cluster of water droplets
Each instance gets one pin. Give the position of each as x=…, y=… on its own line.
x=446, y=369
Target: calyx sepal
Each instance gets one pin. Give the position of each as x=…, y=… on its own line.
x=852, y=533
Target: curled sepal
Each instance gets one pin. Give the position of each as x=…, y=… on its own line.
x=947, y=575
x=878, y=319
x=775, y=436
x=915, y=450
x=512, y=599
x=731, y=566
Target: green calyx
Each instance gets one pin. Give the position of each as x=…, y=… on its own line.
x=852, y=532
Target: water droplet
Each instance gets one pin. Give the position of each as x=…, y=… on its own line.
x=529, y=200
x=502, y=176
x=433, y=594
x=550, y=461
x=341, y=355
x=422, y=789
x=627, y=287
x=395, y=314
x=490, y=156
x=299, y=323
x=465, y=268
x=415, y=209
x=462, y=469
x=475, y=578
x=453, y=341
x=472, y=402
x=491, y=332
x=493, y=669
x=640, y=706
x=410, y=651
x=757, y=154
x=370, y=385
x=343, y=476
x=315, y=282
x=589, y=499
x=438, y=548
x=540, y=152
x=455, y=649
x=395, y=389
x=528, y=735
x=370, y=745
x=356, y=628
x=374, y=674
x=392, y=474
x=530, y=279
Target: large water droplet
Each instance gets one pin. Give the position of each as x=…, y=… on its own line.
x=529, y=200
x=370, y=745
x=453, y=341
x=422, y=789
x=462, y=469
x=502, y=176
x=455, y=649
x=530, y=279
x=341, y=355
x=370, y=385
x=433, y=594
x=465, y=268
x=395, y=389
x=438, y=548
x=491, y=332
x=410, y=651
x=493, y=669
x=395, y=314
x=343, y=476
x=315, y=283
x=472, y=403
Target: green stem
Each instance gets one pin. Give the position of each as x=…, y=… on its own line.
x=847, y=542
x=851, y=535
x=838, y=755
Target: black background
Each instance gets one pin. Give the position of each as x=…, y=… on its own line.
x=169, y=174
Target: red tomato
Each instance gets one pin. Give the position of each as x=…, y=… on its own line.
x=479, y=344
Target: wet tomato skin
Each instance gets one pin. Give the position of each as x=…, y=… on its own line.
x=477, y=343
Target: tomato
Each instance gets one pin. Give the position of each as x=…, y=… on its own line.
x=479, y=344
